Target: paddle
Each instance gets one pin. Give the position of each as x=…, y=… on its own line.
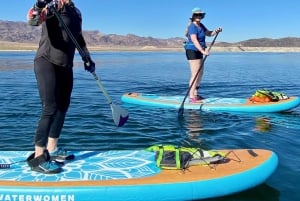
x=181, y=109
x=120, y=115
x=8, y=165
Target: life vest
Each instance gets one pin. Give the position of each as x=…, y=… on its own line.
x=174, y=157
x=264, y=95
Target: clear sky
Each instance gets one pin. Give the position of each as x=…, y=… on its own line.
x=240, y=19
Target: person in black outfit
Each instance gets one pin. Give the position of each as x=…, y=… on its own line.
x=54, y=74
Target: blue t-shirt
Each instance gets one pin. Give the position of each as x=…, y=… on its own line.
x=200, y=33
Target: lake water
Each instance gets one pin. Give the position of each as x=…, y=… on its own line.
x=89, y=123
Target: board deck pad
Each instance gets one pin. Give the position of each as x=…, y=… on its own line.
x=87, y=165
x=133, y=175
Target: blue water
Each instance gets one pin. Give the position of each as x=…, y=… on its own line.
x=89, y=123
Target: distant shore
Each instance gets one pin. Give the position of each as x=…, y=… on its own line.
x=14, y=46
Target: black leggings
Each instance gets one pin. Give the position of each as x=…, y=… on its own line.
x=55, y=85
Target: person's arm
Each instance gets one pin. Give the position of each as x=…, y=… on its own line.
x=89, y=64
x=213, y=33
x=197, y=44
x=37, y=13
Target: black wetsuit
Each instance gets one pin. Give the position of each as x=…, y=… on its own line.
x=53, y=70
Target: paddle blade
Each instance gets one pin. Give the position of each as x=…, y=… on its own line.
x=180, y=112
x=120, y=115
x=181, y=109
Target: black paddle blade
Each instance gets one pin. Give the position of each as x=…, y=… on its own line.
x=180, y=112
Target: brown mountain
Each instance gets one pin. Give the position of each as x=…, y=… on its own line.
x=21, y=32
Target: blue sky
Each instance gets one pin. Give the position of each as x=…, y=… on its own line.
x=240, y=19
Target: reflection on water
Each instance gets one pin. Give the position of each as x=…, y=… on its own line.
x=263, y=124
x=194, y=126
x=202, y=126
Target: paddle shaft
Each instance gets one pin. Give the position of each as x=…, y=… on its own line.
x=180, y=111
x=80, y=50
x=8, y=165
x=120, y=115
x=102, y=88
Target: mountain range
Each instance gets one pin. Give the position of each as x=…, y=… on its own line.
x=21, y=32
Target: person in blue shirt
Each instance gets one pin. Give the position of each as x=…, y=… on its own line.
x=195, y=48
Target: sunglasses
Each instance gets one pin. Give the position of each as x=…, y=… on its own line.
x=201, y=15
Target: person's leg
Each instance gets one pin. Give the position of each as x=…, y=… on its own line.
x=55, y=130
x=64, y=81
x=194, y=67
x=45, y=76
x=40, y=160
x=199, y=78
x=52, y=144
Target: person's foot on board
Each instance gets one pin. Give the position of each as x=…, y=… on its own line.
x=43, y=164
x=61, y=155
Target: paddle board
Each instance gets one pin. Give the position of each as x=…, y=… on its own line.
x=133, y=175
x=211, y=104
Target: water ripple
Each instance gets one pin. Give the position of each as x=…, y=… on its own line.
x=89, y=124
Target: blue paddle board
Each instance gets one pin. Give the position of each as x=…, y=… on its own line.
x=211, y=104
x=133, y=175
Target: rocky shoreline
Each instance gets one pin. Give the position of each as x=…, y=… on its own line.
x=15, y=46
